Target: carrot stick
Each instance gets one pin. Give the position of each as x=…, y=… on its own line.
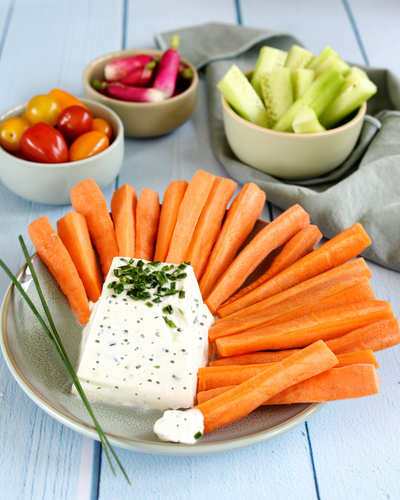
x=353, y=381
x=123, y=211
x=253, y=358
x=311, y=295
x=275, y=234
x=376, y=336
x=243, y=399
x=173, y=197
x=220, y=376
x=209, y=225
x=73, y=232
x=189, y=213
x=147, y=219
x=56, y=257
x=240, y=220
x=88, y=200
x=299, y=332
x=340, y=249
x=297, y=247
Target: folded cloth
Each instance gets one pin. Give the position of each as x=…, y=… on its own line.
x=365, y=188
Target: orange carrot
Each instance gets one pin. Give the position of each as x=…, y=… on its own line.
x=56, y=257
x=147, y=219
x=253, y=358
x=209, y=225
x=188, y=215
x=317, y=293
x=173, y=197
x=240, y=220
x=340, y=249
x=123, y=211
x=299, y=332
x=74, y=233
x=376, y=336
x=88, y=200
x=353, y=381
x=243, y=399
x=275, y=234
x=297, y=247
x=220, y=376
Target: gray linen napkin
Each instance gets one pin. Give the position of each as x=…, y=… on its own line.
x=365, y=188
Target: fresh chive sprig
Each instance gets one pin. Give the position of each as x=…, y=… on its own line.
x=59, y=347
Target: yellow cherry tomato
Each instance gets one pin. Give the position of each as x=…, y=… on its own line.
x=102, y=126
x=87, y=145
x=11, y=131
x=43, y=108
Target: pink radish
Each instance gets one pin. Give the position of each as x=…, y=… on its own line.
x=120, y=68
x=140, y=77
x=133, y=94
x=167, y=72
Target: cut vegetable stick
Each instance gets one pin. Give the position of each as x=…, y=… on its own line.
x=322, y=325
x=220, y=376
x=123, y=211
x=354, y=381
x=209, y=225
x=275, y=234
x=340, y=249
x=74, y=233
x=172, y=200
x=147, y=219
x=56, y=257
x=297, y=247
x=306, y=294
x=88, y=200
x=376, y=336
x=239, y=222
x=253, y=358
x=243, y=399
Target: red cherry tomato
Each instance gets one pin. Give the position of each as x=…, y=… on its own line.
x=87, y=145
x=73, y=122
x=102, y=126
x=44, y=144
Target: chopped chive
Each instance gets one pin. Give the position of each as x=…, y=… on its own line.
x=167, y=309
x=198, y=435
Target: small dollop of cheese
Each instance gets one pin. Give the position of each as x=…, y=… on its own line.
x=180, y=426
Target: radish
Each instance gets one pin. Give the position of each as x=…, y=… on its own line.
x=133, y=94
x=167, y=72
x=140, y=77
x=120, y=68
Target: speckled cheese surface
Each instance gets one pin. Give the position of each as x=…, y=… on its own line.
x=146, y=353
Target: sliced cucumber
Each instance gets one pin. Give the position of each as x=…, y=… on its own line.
x=317, y=97
x=353, y=76
x=327, y=52
x=239, y=93
x=270, y=59
x=335, y=61
x=276, y=87
x=301, y=81
x=298, y=58
x=306, y=122
x=347, y=101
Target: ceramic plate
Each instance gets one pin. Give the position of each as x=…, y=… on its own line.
x=38, y=370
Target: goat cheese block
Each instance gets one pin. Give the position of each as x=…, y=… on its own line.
x=146, y=338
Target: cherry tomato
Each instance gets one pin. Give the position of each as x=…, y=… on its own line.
x=11, y=131
x=73, y=122
x=102, y=126
x=88, y=145
x=44, y=144
x=65, y=100
x=43, y=108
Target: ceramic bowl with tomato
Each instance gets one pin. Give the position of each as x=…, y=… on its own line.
x=50, y=183
x=143, y=119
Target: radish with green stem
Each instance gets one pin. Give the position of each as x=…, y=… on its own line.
x=140, y=77
x=132, y=94
x=168, y=67
x=120, y=68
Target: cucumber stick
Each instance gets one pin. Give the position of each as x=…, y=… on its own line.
x=306, y=122
x=301, y=81
x=298, y=58
x=327, y=52
x=270, y=59
x=239, y=93
x=340, y=65
x=317, y=97
x=276, y=87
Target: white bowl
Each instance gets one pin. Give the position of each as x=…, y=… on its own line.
x=289, y=155
x=51, y=183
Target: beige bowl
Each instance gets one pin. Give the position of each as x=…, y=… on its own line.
x=143, y=119
x=288, y=155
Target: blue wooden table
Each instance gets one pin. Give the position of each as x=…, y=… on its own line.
x=350, y=450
